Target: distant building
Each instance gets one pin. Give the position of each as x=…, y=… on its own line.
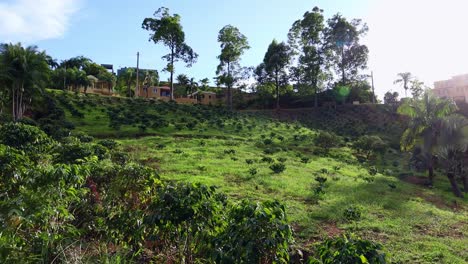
x=156, y=92
x=205, y=97
x=455, y=88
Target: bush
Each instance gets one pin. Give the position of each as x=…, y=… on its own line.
x=267, y=160
x=25, y=137
x=352, y=214
x=73, y=151
x=368, y=146
x=255, y=233
x=108, y=143
x=278, y=167
x=327, y=140
x=249, y=161
x=349, y=250
x=253, y=171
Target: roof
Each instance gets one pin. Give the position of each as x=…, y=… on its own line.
x=203, y=92
x=159, y=87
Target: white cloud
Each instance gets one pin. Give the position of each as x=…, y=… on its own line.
x=35, y=20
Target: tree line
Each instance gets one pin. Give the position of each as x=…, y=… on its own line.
x=319, y=54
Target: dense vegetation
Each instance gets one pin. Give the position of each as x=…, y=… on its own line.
x=149, y=198
x=107, y=179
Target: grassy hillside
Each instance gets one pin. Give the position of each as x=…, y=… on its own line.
x=236, y=150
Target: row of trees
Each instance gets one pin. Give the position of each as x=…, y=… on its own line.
x=319, y=54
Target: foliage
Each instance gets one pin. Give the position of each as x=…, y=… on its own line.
x=273, y=68
x=347, y=55
x=166, y=29
x=23, y=75
x=255, y=233
x=28, y=138
x=278, y=167
x=349, y=249
x=306, y=37
x=233, y=44
x=369, y=146
x=327, y=140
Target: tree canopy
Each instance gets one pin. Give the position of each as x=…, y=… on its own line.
x=166, y=29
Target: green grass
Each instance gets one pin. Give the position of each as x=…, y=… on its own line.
x=416, y=224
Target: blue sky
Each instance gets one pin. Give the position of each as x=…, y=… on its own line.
x=418, y=36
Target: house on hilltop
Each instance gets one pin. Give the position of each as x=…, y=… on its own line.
x=455, y=88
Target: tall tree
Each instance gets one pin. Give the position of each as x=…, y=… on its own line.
x=78, y=62
x=306, y=38
x=346, y=53
x=204, y=84
x=426, y=116
x=274, y=67
x=391, y=98
x=417, y=88
x=166, y=29
x=451, y=149
x=23, y=73
x=233, y=44
x=404, y=78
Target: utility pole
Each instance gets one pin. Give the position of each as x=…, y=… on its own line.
x=373, y=91
x=137, y=75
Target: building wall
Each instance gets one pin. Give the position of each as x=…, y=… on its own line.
x=455, y=88
x=208, y=98
x=154, y=92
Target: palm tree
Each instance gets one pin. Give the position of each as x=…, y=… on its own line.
x=23, y=72
x=404, y=78
x=192, y=86
x=451, y=148
x=426, y=116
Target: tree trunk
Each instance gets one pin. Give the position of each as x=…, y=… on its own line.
x=453, y=183
x=430, y=170
x=342, y=66
x=172, y=73
x=13, y=103
x=229, y=99
x=277, y=91
x=315, y=94
x=465, y=182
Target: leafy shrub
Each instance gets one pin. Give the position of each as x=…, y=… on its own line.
x=24, y=137
x=83, y=137
x=282, y=159
x=73, y=151
x=249, y=161
x=349, y=250
x=253, y=171
x=327, y=140
x=368, y=146
x=278, y=167
x=108, y=143
x=352, y=214
x=100, y=151
x=267, y=160
x=255, y=233
x=267, y=141
x=372, y=171
x=120, y=157
x=229, y=151
x=305, y=159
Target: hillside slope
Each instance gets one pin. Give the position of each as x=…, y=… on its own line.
x=238, y=153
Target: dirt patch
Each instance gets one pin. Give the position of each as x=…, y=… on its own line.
x=331, y=229
x=416, y=180
x=457, y=230
x=440, y=203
